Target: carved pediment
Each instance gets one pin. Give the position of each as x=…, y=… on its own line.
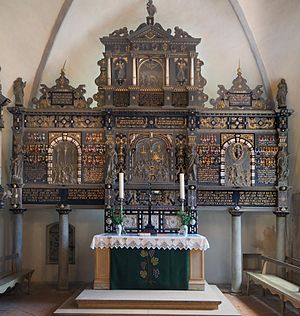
x=240, y=95
x=150, y=32
x=62, y=95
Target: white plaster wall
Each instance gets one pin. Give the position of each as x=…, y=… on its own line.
x=276, y=24
x=258, y=236
x=87, y=223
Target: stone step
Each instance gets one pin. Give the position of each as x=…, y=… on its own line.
x=148, y=299
x=71, y=307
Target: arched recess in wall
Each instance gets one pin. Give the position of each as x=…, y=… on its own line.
x=52, y=246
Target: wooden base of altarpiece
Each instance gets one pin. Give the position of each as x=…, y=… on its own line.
x=102, y=269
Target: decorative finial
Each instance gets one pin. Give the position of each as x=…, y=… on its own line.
x=62, y=71
x=151, y=9
x=239, y=70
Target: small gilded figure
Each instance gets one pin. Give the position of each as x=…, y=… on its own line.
x=18, y=88
x=281, y=93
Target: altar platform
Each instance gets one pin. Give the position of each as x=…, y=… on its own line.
x=211, y=301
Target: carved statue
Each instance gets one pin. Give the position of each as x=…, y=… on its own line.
x=17, y=165
x=282, y=165
x=181, y=66
x=151, y=9
x=120, y=69
x=112, y=160
x=191, y=162
x=281, y=93
x=180, y=32
x=18, y=88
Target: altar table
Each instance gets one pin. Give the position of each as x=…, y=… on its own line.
x=111, y=257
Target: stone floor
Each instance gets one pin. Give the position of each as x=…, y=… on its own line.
x=44, y=299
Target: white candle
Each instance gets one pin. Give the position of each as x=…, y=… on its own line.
x=121, y=185
x=181, y=181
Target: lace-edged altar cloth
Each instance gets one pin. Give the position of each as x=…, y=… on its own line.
x=171, y=241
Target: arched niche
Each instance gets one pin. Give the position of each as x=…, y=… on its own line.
x=151, y=159
x=64, y=161
x=151, y=73
x=237, y=163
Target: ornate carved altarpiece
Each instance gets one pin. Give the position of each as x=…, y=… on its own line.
x=151, y=121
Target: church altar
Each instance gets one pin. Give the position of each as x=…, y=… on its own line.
x=149, y=254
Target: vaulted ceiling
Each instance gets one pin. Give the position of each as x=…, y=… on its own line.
x=37, y=37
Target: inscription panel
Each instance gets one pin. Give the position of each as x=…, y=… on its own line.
x=35, y=148
x=247, y=198
x=266, y=160
x=240, y=99
x=53, y=196
x=209, y=159
x=62, y=98
x=93, y=158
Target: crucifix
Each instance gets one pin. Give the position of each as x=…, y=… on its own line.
x=149, y=228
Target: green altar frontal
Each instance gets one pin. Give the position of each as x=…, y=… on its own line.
x=149, y=269
x=164, y=262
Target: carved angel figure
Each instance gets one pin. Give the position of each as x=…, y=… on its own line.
x=181, y=67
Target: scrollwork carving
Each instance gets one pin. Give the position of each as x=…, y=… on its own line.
x=180, y=33
x=122, y=32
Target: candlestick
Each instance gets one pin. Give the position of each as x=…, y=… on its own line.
x=181, y=181
x=121, y=185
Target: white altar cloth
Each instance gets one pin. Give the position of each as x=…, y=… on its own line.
x=168, y=241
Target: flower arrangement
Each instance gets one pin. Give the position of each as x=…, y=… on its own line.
x=184, y=217
x=117, y=217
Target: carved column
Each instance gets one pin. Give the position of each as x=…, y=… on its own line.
x=167, y=71
x=18, y=235
x=282, y=114
x=134, y=70
x=63, y=253
x=192, y=70
x=236, y=251
x=108, y=56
